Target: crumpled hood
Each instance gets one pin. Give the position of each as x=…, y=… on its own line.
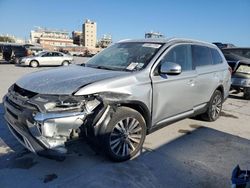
x=64, y=80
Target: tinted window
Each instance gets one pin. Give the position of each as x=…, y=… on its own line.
x=201, y=56
x=49, y=54
x=57, y=54
x=180, y=55
x=217, y=59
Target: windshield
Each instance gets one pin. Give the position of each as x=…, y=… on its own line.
x=128, y=56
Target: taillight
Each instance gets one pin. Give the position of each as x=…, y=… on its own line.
x=230, y=70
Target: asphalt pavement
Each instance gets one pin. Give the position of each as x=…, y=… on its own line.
x=189, y=153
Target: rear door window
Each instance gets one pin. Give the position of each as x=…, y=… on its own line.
x=56, y=54
x=217, y=59
x=49, y=54
x=201, y=56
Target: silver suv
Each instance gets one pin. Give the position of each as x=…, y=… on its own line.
x=117, y=97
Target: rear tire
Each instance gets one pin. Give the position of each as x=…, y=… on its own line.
x=247, y=93
x=34, y=64
x=124, y=135
x=214, y=107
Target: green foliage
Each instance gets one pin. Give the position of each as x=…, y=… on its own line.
x=6, y=39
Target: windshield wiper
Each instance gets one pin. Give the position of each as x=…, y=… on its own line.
x=103, y=67
x=107, y=68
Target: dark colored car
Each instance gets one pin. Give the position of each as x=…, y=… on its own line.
x=12, y=53
x=239, y=61
x=223, y=45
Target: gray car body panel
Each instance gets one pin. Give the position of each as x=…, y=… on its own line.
x=64, y=80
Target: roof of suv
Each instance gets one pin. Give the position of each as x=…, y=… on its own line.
x=168, y=40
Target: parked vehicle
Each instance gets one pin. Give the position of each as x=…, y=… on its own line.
x=224, y=45
x=237, y=54
x=1, y=52
x=34, y=49
x=13, y=52
x=239, y=60
x=48, y=59
x=121, y=94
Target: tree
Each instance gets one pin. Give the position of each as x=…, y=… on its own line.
x=6, y=39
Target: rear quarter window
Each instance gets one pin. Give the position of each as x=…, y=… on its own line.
x=217, y=59
x=201, y=56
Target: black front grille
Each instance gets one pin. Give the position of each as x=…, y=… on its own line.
x=14, y=104
x=23, y=92
x=11, y=113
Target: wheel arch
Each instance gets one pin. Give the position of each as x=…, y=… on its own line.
x=221, y=89
x=141, y=108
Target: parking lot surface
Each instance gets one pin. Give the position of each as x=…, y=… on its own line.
x=190, y=153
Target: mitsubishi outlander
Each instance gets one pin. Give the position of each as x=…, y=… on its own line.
x=118, y=97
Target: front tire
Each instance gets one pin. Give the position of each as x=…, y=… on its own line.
x=125, y=134
x=65, y=63
x=214, y=107
x=34, y=64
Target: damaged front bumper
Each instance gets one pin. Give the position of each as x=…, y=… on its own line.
x=40, y=132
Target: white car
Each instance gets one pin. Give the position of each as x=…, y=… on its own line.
x=47, y=58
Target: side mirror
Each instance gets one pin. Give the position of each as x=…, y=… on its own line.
x=170, y=68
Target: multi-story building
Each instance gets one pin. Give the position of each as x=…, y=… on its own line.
x=89, y=34
x=77, y=37
x=105, y=41
x=154, y=35
x=51, y=39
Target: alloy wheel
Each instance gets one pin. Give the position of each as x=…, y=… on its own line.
x=216, y=106
x=125, y=137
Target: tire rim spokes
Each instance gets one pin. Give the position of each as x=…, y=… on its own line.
x=216, y=106
x=125, y=136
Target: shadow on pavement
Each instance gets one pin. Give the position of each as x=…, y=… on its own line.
x=238, y=96
x=200, y=157
x=203, y=157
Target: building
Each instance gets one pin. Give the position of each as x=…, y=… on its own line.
x=154, y=35
x=105, y=41
x=77, y=37
x=51, y=39
x=89, y=34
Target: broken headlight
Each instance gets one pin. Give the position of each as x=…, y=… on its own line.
x=67, y=103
